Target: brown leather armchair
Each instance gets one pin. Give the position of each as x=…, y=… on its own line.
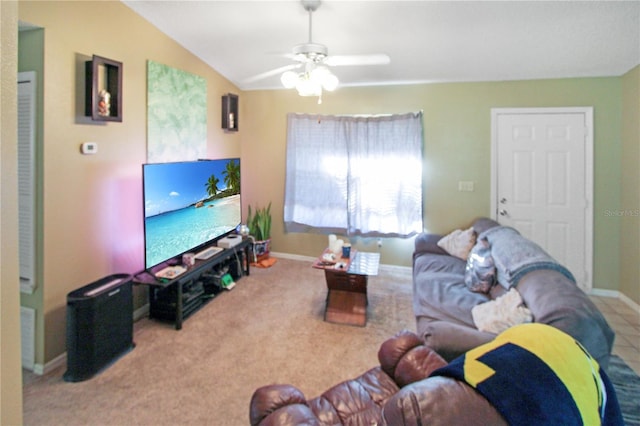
x=393, y=393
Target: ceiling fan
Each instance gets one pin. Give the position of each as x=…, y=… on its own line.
x=312, y=62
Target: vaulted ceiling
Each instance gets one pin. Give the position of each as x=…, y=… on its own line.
x=427, y=41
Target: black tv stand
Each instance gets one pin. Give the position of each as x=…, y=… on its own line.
x=174, y=300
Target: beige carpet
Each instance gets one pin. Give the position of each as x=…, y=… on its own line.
x=268, y=329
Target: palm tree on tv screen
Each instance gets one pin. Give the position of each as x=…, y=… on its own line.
x=212, y=185
x=232, y=177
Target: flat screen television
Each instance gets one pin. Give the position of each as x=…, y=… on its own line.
x=188, y=205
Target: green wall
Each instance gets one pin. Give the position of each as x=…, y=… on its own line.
x=91, y=204
x=630, y=201
x=457, y=127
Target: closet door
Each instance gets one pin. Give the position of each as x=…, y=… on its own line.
x=26, y=179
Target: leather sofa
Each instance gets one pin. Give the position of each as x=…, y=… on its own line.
x=443, y=303
x=397, y=386
x=529, y=374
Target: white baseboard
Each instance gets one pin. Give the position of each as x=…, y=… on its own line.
x=629, y=302
x=61, y=359
x=396, y=268
x=604, y=293
x=310, y=259
x=615, y=294
x=141, y=312
x=407, y=269
x=293, y=256
x=57, y=362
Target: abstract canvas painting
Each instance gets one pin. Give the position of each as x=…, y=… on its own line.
x=176, y=114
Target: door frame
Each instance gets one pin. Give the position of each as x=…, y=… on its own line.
x=589, y=172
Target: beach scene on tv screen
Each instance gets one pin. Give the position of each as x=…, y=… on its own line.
x=188, y=204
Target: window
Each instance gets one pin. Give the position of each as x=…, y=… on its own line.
x=354, y=175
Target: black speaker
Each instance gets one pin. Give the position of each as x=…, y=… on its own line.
x=99, y=326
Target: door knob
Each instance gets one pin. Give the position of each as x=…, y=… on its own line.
x=503, y=213
x=503, y=200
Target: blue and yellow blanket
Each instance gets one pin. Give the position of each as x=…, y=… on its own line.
x=534, y=374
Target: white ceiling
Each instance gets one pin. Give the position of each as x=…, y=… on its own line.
x=427, y=41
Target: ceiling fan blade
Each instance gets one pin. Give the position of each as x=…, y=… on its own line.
x=346, y=60
x=270, y=73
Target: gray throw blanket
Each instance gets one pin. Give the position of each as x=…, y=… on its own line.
x=515, y=256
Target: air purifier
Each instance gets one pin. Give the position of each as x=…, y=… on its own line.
x=99, y=326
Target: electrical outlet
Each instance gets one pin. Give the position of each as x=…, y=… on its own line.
x=466, y=186
x=379, y=242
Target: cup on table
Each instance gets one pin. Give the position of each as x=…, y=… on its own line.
x=346, y=250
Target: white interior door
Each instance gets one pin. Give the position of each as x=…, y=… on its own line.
x=542, y=181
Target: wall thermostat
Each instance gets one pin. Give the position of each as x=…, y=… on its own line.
x=89, y=148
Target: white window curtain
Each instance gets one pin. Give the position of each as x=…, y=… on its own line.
x=354, y=175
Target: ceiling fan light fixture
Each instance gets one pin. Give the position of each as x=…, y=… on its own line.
x=290, y=79
x=330, y=82
x=315, y=60
x=325, y=78
x=312, y=81
x=308, y=87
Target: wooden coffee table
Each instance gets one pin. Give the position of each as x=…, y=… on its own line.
x=347, y=287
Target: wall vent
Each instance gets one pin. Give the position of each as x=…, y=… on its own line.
x=28, y=333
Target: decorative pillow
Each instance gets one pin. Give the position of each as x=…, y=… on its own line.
x=480, y=273
x=458, y=243
x=497, y=315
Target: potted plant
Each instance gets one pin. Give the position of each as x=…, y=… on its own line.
x=259, y=223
